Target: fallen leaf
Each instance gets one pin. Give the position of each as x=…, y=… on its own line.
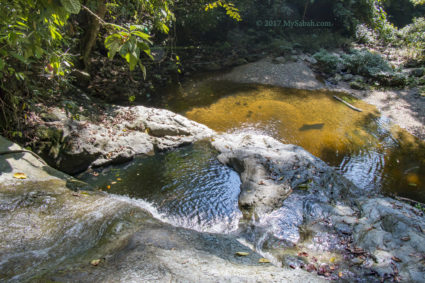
x=311, y=267
x=407, y=238
x=340, y=274
x=292, y=266
x=303, y=254
x=19, y=176
x=95, y=262
x=241, y=253
x=113, y=183
x=108, y=187
x=118, y=179
x=263, y=260
x=396, y=259
x=332, y=260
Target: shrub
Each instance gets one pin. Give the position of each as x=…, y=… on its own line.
x=413, y=36
x=327, y=62
x=366, y=63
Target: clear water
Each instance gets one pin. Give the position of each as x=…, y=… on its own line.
x=364, y=146
x=188, y=186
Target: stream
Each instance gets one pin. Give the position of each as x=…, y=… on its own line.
x=364, y=146
x=188, y=187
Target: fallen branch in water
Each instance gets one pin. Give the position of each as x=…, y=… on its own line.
x=348, y=104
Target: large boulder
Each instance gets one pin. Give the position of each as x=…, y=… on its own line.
x=123, y=133
x=51, y=233
x=293, y=200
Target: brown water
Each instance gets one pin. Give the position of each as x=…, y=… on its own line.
x=365, y=147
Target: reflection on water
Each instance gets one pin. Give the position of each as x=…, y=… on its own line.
x=364, y=146
x=188, y=185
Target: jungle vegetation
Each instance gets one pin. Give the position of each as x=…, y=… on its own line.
x=47, y=45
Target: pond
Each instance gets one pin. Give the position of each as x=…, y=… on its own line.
x=370, y=151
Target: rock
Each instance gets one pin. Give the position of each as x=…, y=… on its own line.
x=279, y=60
x=391, y=79
x=235, y=62
x=329, y=209
x=290, y=74
x=49, y=117
x=293, y=58
x=357, y=85
x=310, y=59
x=415, y=72
x=51, y=233
x=347, y=77
x=128, y=131
x=82, y=78
x=257, y=158
x=212, y=66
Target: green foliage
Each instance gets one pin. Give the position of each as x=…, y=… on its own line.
x=366, y=63
x=230, y=8
x=326, y=61
x=71, y=6
x=418, y=2
x=413, y=36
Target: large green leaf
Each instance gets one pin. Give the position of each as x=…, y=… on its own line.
x=71, y=6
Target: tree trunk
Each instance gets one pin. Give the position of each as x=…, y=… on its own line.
x=91, y=32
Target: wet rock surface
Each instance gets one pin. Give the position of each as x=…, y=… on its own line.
x=50, y=233
x=303, y=214
x=298, y=212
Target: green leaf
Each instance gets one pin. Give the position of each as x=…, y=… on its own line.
x=2, y=64
x=71, y=6
x=19, y=57
x=142, y=35
x=143, y=68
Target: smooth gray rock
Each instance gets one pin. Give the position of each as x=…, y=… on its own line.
x=124, y=133
x=51, y=233
x=293, y=193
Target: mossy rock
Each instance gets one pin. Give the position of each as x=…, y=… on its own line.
x=390, y=79
x=357, y=85
x=49, y=134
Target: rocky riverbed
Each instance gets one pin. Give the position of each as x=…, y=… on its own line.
x=299, y=214
x=302, y=220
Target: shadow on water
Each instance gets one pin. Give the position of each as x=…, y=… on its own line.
x=365, y=147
